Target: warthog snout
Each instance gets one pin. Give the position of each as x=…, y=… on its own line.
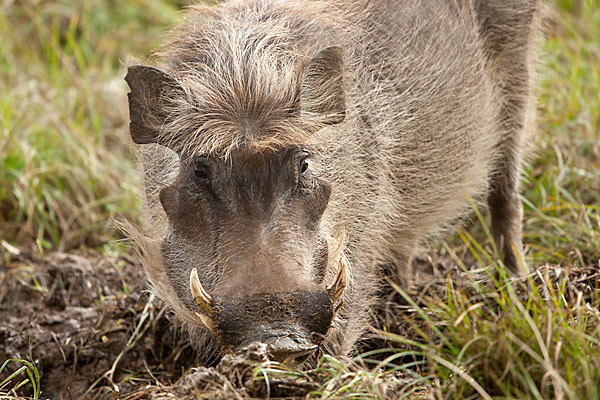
x=292, y=324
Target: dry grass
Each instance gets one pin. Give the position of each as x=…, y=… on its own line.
x=65, y=169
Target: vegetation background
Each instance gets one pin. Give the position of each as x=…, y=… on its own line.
x=66, y=170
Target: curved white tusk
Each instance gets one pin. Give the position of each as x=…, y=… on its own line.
x=207, y=322
x=336, y=289
x=203, y=299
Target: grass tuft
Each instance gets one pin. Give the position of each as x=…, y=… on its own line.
x=65, y=168
x=29, y=368
x=484, y=338
x=562, y=183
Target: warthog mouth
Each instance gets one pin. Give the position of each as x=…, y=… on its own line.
x=291, y=324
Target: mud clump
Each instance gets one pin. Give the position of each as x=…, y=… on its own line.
x=236, y=373
x=244, y=375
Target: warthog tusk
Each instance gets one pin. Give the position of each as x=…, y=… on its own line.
x=203, y=299
x=336, y=310
x=336, y=289
x=207, y=322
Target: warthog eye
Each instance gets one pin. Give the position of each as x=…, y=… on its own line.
x=303, y=167
x=201, y=173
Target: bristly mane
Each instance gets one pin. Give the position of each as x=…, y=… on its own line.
x=241, y=73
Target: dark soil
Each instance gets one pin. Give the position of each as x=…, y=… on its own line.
x=87, y=324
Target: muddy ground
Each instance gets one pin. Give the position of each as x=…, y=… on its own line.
x=93, y=331
x=87, y=323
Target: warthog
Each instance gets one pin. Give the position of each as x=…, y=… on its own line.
x=291, y=149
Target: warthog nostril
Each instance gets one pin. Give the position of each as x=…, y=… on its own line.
x=231, y=316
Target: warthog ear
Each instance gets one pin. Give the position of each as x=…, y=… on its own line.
x=152, y=101
x=322, y=93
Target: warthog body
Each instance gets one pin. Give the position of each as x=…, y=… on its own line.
x=290, y=149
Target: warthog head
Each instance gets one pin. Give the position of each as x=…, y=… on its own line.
x=244, y=248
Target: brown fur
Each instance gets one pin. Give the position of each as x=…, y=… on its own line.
x=408, y=109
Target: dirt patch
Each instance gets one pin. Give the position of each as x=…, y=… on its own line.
x=87, y=324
